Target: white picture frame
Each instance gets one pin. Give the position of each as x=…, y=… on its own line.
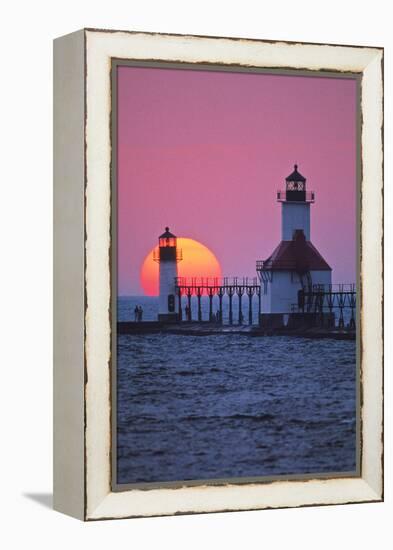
x=82, y=246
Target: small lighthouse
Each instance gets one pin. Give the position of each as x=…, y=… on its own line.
x=295, y=265
x=168, y=257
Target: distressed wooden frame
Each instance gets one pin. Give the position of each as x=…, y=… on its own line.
x=82, y=292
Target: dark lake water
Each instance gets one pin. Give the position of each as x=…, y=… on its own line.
x=227, y=406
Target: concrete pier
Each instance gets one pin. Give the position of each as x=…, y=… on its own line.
x=210, y=329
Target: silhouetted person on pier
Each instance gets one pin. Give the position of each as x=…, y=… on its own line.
x=218, y=316
x=136, y=314
x=140, y=313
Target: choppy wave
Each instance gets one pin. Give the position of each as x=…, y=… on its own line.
x=228, y=406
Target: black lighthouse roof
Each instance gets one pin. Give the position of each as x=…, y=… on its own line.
x=167, y=234
x=296, y=176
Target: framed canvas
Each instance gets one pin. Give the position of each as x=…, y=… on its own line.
x=218, y=265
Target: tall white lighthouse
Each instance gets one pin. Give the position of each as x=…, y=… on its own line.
x=295, y=265
x=168, y=257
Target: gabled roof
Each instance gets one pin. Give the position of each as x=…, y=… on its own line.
x=295, y=176
x=297, y=255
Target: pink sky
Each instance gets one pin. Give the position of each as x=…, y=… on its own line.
x=205, y=152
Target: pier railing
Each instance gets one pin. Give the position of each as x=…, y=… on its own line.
x=336, y=288
x=218, y=286
x=317, y=298
x=215, y=282
x=329, y=298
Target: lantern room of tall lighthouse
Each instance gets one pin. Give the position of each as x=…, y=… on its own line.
x=168, y=256
x=295, y=265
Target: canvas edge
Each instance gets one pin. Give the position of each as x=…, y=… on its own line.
x=372, y=282
x=68, y=272
x=101, y=503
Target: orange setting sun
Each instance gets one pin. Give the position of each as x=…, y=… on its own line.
x=198, y=261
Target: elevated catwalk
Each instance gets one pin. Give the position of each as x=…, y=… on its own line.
x=220, y=287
